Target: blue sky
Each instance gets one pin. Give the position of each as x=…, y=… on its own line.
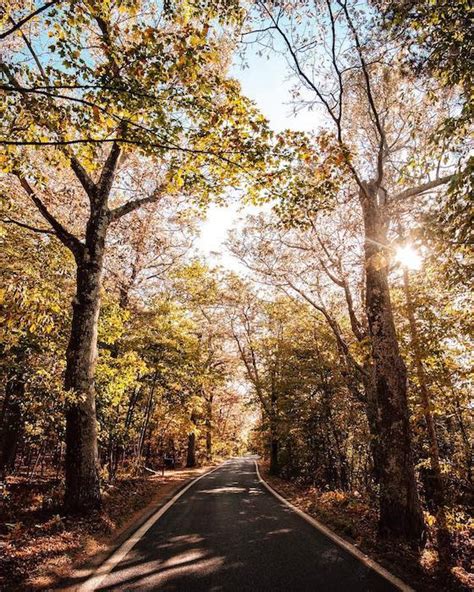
x=266, y=82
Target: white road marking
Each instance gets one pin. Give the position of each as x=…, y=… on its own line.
x=99, y=575
x=365, y=559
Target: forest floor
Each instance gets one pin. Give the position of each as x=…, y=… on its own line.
x=355, y=520
x=40, y=547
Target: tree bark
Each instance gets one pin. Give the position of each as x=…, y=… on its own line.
x=191, y=452
x=146, y=421
x=372, y=420
x=400, y=508
x=443, y=535
x=11, y=419
x=274, y=440
x=274, y=449
x=209, y=401
x=82, y=493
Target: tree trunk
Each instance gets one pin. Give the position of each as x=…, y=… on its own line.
x=443, y=536
x=372, y=420
x=400, y=509
x=274, y=448
x=467, y=443
x=191, y=454
x=82, y=492
x=209, y=401
x=146, y=421
x=11, y=419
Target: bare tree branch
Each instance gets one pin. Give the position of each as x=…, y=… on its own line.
x=131, y=206
x=337, y=70
x=83, y=177
x=413, y=191
x=370, y=96
x=303, y=76
x=28, y=226
x=27, y=18
x=32, y=51
x=66, y=237
x=333, y=325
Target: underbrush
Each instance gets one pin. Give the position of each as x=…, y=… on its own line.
x=39, y=544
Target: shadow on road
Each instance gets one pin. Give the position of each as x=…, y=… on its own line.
x=227, y=533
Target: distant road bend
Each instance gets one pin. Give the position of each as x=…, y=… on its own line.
x=227, y=533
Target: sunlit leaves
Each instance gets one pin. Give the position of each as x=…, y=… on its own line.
x=151, y=66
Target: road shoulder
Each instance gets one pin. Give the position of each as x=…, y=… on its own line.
x=86, y=563
x=354, y=524
x=335, y=538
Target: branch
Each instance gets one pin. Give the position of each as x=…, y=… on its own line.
x=68, y=239
x=28, y=226
x=107, y=175
x=370, y=96
x=76, y=166
x=131, y=141
x=84, y=178
x=355, y=324
x=337, y=70
x=413, y=191
x=298, y=67
x=32, y=51
x=342, y=283
x=333, y=324
x=131, y=206
x=255, y=31
x=303, y=76
x=252, y=373
x=330, y=275
x=104, y=29
x=27, y=18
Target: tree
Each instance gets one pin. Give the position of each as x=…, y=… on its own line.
x=290, y=361
x=37, y=274
x=115, y=96
x=356, y=86
x=319, y=264
x=439, y=47
x=200, y=289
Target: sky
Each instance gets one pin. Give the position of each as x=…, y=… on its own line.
x=266, y=82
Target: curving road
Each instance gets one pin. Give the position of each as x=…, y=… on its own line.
x=227, y=533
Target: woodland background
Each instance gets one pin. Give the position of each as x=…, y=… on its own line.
x=339, y=346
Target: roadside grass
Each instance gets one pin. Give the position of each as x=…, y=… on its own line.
x=354, y=518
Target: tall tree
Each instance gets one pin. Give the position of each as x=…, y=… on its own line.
x=354, y=86
x=152, y=85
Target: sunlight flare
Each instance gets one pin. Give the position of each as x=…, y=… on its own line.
x=408, y=257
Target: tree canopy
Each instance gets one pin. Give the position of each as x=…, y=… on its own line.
x=334, y=338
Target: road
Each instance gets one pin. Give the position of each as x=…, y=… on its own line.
x=227, y=533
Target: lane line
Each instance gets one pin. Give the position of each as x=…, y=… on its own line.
x=99, y=575
x=362, y=557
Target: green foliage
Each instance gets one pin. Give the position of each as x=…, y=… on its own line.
x=440, y=37
x=158, y=84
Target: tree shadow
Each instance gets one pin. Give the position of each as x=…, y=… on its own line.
x=229, y=534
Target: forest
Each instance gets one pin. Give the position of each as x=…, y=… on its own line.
x=333, y=334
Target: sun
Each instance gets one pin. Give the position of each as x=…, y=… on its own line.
x=407, y=256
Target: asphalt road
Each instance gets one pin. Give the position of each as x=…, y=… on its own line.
x=227, y=533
